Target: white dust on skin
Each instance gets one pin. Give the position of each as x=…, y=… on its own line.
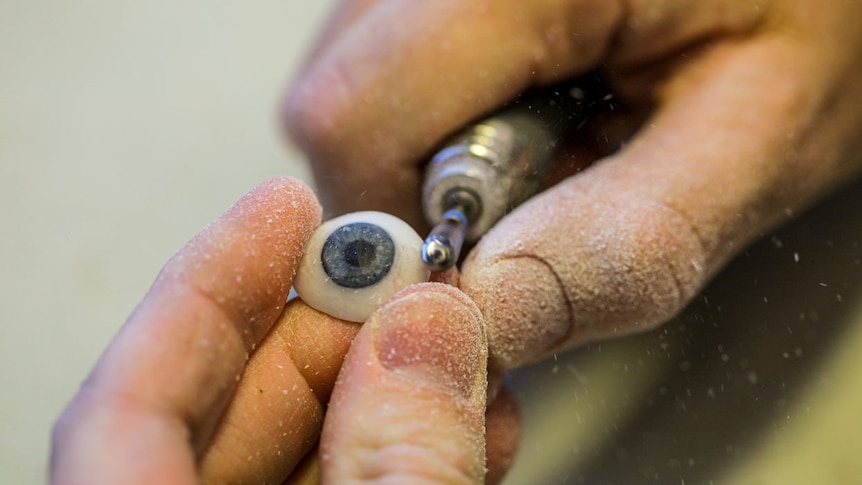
x=578, y=262
x=437, y=331
x=263, y=237
x=244, y=262
x=428, y=341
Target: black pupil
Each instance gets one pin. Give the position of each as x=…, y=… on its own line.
x=358, y=255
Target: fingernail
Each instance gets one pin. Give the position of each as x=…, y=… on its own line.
x=433, y=335
x=525, y=308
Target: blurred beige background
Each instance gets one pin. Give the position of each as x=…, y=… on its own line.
x=125, y=127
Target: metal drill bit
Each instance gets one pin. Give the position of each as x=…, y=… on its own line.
x=484, y=171
x=443, y=245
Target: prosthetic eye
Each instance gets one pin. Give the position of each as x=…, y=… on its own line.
x=354, y=263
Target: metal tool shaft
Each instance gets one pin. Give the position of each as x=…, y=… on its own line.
x=492, y=166
x=443, y=245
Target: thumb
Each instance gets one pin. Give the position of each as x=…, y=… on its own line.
x=744, y=138
x=409, y=402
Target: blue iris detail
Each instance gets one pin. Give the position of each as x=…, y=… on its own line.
x=358, y=255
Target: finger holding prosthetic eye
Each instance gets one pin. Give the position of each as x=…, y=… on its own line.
x=354, y=263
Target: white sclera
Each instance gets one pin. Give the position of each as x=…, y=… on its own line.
x=314, y=286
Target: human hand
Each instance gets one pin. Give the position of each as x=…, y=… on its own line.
x=738, y=115
x=214, y=380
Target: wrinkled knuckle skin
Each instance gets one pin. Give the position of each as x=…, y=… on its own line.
x=674, y=267
x=619, y=262
x=647, y=267
x=304, y=122
x=409, y=463
x=315, y=111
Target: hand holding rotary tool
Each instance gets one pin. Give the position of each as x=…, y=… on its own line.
x=492, y=166
x=735, y=117
x=724, y=140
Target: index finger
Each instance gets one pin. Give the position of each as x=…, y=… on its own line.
x=395, y=82
x=170, y=372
